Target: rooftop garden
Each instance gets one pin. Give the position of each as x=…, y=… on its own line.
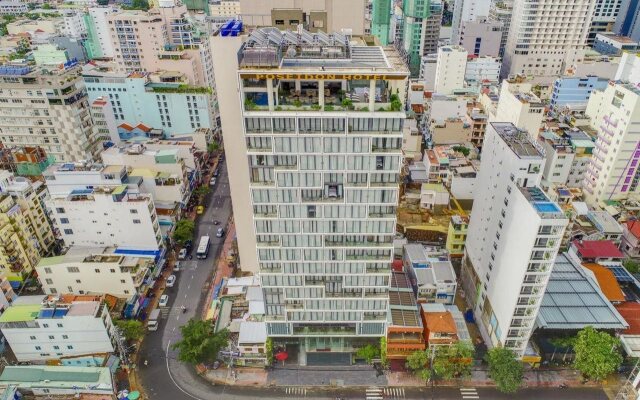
x=181, y=89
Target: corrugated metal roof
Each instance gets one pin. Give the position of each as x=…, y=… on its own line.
x=573, y=300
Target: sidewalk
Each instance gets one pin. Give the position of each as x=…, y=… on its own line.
x=366, y=376
x=223, y=269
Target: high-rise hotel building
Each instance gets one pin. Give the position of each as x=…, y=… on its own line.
x=312, y=125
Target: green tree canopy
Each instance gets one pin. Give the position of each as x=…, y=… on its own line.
x=461, y=149
x=131, y=328
x=505, y=369
x=368, y=352
x=631, y=265
x=446, y=362
x=183, y=231
x=597, y=353
x=418, y=363
x=200, y=343
x=201, y=190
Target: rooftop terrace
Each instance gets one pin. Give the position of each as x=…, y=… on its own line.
x=541, y=203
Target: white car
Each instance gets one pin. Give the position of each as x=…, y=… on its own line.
x=164, y=300
x=183, y=254
x=212, y=182
x=176, y=268
x=220, y=232
x=171, y=280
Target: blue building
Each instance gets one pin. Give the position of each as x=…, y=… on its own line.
x=574, y=92
x=156, y=101
x=614, y=45
x=628, y=20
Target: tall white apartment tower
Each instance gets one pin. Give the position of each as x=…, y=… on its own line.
x=514, y=235
x=450, y=69
x=312, y=124
x=547, y=37
x=613, y=172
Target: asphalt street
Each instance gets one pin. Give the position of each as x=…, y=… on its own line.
x=165, y=378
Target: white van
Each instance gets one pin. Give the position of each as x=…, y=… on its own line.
x=154, y=319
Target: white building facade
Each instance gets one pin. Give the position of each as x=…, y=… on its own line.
x=323, y=186
x=539, y=44
x=613, y=173
x=514, y=235
x=45, y=328
x=450, y=69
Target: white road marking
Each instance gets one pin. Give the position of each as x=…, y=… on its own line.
x=171, y=376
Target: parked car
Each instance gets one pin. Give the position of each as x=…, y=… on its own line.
x=164, y=300
x=212, y=182
x=199, y=210
x=182, y=254
x=176, y=267
x=216, y=172
x=171, y=280
x=220, y=232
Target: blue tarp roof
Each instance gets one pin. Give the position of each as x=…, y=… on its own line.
x=138, y=253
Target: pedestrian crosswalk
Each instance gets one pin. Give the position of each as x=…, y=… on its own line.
x=296, y=391
x=376, y=393
x=394, y=393
x=469, y=393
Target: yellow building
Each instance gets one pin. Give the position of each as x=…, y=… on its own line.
x=18, y=245
x=30, y=197
x=457, y=235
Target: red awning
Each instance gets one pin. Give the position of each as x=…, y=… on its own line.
x=282, y=356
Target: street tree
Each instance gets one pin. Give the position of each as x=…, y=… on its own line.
x=201, y=190
x=505, y=369
x=131, y=329
x=446, y=362
x=200, y=343
x=597, y=353
x=368, y=352
x=453, y=361
x=418, y=363
x=183, y=231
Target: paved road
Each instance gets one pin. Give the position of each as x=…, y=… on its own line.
x=167, y=379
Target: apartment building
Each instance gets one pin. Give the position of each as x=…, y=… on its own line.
x=450, y=69
x=465, y=11
x=628, y=19
x=320, y=178
x=139, y=98
x=27, y=195
x=551, y=37
x=82, y=270
x=47, y=108
x=381, y=21
x=224, y=8
x=481, y=37
x=420, y=31
x=44, y=328
x=457, y=235
x=605, y=14
x=502, y=11
x=158, y=40
x=574, y=92
x=314, y=16
x=19, y=247
x=124, y=218
x=164, y=173
x=613, y=173
x=513, y=237
x=98, y=42
x=482, y=71
x=611, y=44
x=104, y=121
x=13, y=8
x=74, y=26
x=517, y=104
x=567, y=157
